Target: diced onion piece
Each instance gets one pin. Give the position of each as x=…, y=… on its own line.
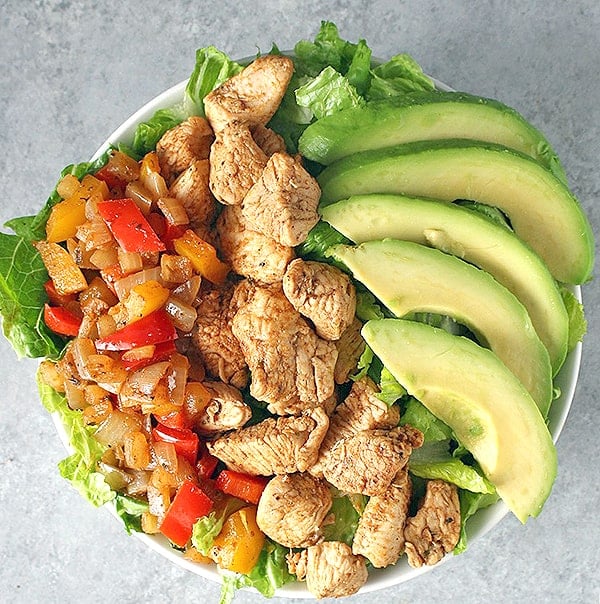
x=151, y=178
x=182, y=315
x=166, y=456
x=173, y=210
x=124, y=285
x=130, y=262
x=51, y=376
x=106, y=371
x=140, y=196
x=139, y=353
x=158, y=501
x=196, y=398
x=177, y=378
x=82, y=349
x=106, y=326
x=145, y=380
x=112, y=431
x=188, y=291
x=104, y=257
x=116, y=478
x=149, y=523
x=67, y=186
x=137, y=450
x=123, y=167
x=80, y=255
x=94, y=234
x=66, y=275
x=74, y=394
x=175, y=269
x=97, y=412
x=97, y=290
x=139, y=482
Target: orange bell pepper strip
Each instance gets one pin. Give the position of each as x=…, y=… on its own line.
x=202, y=255
x=243, y=486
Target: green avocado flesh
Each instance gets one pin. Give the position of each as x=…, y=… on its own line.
x=425, y=116
x=470, y=236
x=408, y=277
x=490, y=412
x=542, y=211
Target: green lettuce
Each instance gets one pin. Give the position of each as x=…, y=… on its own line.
x=207, y=528
x=80, y=467
x=390, y=389
x=346, y=513
x=367, y=307
x=469, y=504
x=318, y=241
x=398, y=76
x=417, y=415
x=130, y=511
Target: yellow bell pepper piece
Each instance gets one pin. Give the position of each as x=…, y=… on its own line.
x=238, y=545
x=66, y=275
x=144, y=299
x=202, y=255
x=69, y=214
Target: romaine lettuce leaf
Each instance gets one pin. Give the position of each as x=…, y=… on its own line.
x=80, y=467
x=130, y=511
x=319, y=239
x=418, y=416
x=399, y=75
x=207, y=528
x=147, y=134
x=328, y=93
x=469, y=504
x=345, y=518
x=390, y=389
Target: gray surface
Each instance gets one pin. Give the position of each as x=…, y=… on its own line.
x=73, y=71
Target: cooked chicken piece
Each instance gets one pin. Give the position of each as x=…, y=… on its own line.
x=435, y=528
x=268, y=140
x=367, y=461
x=379, y=536
x=249, y=252
x=183, y=144
x=330, y=568
x=236, y=163
x=361, y=410
x=225, y=411
x=251, y=96
x=192, y=190
x=291, y=367
x=283, y=202
x=292, y=509
x=350, y=347
x=213, y=341
x=274, y=446
x=323, y=294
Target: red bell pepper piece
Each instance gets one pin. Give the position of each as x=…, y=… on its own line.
x=185, y=441
x=110, y=178
x=162, y=352
x=206, y=464
x=243, y=486
x=189, y=504
x=176, y=419
x=154, y=328
x=129, y=226
x=61, y=321
x=55, y=298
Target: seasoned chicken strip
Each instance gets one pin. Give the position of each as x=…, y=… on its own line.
x=361, y=410
x=180, y=146
x=268, y=140
x=253, y=95
x=192, y=190
x=213, y=341
x=282, y=203
x=330, y=568
x=292, y=509
x=367, y=461
x=321, y=293
x=435, y=528
x=225, y=411
x=350, y=347
x=379, y=536
x=291, y=367
x=248, y=252
x=236, y=163
x=274, y=446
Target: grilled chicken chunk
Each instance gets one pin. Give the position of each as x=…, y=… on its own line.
x=361, y=410
x=282, y=203
x=379, y=536
x=292, y=509
x=321, y=293
x=350, y=347
x=213, y=341
x=192, y=189
x=248, y=252
x=330, y=568
x=367, y=461
x=236, y=163
x=268, y=140
x=274, y=446
x=180, y=146
x=435, y=528
x=225, y=411
x=291, y=367
x=251, y=96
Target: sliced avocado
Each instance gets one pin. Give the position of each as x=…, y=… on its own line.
x=542, y=210
x=423, y=116
x=489, y=410
x=408, y=277
x=470, y=236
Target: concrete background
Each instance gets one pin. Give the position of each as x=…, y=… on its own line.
x=73, y=71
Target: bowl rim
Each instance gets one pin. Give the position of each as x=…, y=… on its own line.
x=479, y=524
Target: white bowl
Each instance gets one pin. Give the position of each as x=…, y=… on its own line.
x=479, y=524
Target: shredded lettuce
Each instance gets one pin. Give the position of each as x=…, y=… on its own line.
x=207, y=528
x=130, y=511
x=318, y=241
x=390, y=389
x=80, y=467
